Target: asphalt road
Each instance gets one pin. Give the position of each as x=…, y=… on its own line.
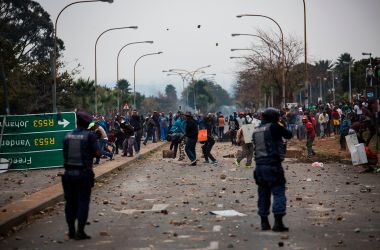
x=160, y=203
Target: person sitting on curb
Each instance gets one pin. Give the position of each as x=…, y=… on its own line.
x=102, y=141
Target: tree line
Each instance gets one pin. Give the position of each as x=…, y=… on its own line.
x=259, y=79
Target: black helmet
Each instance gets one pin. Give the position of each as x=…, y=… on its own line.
x=271, y=115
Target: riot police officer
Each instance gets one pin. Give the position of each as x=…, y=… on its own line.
x=79, y=149
x=269, y=174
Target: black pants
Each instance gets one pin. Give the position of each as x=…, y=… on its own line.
x=233, y=136
x=138, y=135
x=342, y=141
x=206, y=149
x=176, y=140
x=120, y=136
x=77, y=186
x=271, y=182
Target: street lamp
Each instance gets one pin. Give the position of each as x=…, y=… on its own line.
x=242, y=34
x=241, y=49
x=237, y=57
x=263, y=39
x=306, y=77
x=54, y=90
x=183, y=77
x=192, y=74
x=134, y=75
x=349, y=80
x=282, y=50
x=320, y=78
x=333, y=84
x=96, y=73
x=117, y=68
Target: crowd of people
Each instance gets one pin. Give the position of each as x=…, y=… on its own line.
x=266, y=145
x=126, y=133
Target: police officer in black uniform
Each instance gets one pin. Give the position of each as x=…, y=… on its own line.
x=269, y=174
x=79, y=149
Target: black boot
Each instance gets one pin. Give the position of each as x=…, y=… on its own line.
x=71, y=230
x=81, y=235
x=278, y=224
x=265, y=223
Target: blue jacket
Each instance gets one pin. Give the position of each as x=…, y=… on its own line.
x=178, y=126
x=344, y=127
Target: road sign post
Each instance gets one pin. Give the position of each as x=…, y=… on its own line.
x=36, y=140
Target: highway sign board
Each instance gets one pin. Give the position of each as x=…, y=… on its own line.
x=35, y=140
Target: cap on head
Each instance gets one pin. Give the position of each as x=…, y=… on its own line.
x=83, y=118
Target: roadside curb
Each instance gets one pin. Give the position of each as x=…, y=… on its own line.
x=20, y=210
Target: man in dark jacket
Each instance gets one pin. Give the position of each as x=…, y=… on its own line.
x=135, y=122
x=156, y=119
x=79, y=149
x=269, y=174
x=191, y=133
x=207, y=146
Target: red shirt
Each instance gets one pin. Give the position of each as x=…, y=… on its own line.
x=310, y=130
x=335, y=115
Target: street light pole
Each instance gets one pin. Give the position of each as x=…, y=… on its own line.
x=320, y=87
x=96, y=73
x=306, y=79
x=349, y=80
x=117, y=69
x=192, y=74
x=183, y=77
x=370, y=66
x=134, y=75
x=282, y=51
x=54, y=89
x=333, y=84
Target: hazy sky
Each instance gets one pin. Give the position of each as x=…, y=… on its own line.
x=334, y=27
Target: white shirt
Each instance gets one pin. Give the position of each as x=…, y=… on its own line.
x=358, y=110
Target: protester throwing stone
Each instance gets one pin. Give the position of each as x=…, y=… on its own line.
x=191, y=133
x=79, y=149
x=269, y=174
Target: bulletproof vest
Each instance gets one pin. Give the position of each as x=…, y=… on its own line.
x=267, y=150
x=77, y=143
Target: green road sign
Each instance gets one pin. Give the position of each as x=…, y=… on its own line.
x=35, y=141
